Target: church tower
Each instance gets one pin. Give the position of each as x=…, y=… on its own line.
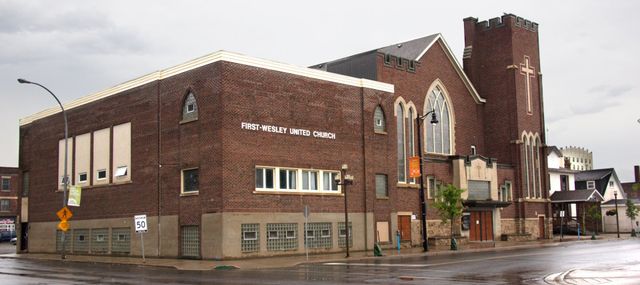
x=502, y=59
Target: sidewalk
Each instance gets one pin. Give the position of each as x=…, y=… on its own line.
x=287, y=261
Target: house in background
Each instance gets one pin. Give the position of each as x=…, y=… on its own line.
x=580, y=158
x=606, y=182
x=566, y=197
x=630, y=193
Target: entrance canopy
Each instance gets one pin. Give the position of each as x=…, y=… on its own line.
x=576, y=196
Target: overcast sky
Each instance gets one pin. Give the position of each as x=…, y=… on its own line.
x=589, y=52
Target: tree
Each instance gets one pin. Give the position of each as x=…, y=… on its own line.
x=632, y=213
x=449, y=205
x=594, y=213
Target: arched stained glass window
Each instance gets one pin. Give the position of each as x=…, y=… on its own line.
x=438, y=138
x=190, y=108
x=402, y=153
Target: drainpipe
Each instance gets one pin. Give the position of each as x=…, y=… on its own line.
x=364, y=170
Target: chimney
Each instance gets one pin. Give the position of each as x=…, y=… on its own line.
x=636, y=170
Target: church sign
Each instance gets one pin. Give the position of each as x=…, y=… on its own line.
x=287, y=131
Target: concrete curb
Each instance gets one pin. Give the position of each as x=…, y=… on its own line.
x=281, y=262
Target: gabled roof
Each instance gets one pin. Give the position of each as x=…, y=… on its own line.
x=621, y=202
x=555, y=150
x=414, y=50
x=586, y=195
x=593, y=175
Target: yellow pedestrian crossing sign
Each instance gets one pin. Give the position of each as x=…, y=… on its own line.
x=64, y=214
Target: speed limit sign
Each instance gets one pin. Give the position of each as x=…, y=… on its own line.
x=141, y=223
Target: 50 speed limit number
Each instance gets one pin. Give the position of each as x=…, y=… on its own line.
x=140, y=223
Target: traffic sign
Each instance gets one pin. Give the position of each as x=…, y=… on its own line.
x=63, y=226
x=64, y=214
x=140, y=223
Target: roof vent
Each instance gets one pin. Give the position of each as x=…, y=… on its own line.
x=399, y=45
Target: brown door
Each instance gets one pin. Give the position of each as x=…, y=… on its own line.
x=404, y=226
x=541, y=227
x=481, y=228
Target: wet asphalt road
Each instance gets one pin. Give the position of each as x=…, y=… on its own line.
x=526, y=266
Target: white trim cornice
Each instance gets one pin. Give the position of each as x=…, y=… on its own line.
x=208, y=59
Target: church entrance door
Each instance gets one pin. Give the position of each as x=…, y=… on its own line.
x=481, y=228
x=404, y=226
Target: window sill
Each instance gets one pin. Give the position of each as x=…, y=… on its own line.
x=194, y=193
x=382, y=198
x=188, y=121
x=380, y=132
x=408, y=185
x=297, y=193
x=86, y=187
x=536, y=200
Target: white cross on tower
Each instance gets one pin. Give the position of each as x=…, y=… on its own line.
x=528, y=72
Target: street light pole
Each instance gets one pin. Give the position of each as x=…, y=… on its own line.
x=615, y=198
x=345, y=180
x=423, y=203
x=65, y=178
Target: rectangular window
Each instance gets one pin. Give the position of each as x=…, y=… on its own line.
x=82, y=158
x=121, y=171
x=288, y=179
x=381, y=186
x=120, y=240
x=342, y=235
x=264, y=178
x=309, y=180
x=101, y=174
x=318, y=235
x=564, y=183
x=610, y=183
x=505, y=192
x=61, y=157
x=250, y=234
x=99, y=240
x=591, y=185
x=431, y=185
x=329, y=181
x=82, y=177
x=191, y=108
x=6, y=184
x=4, y=205
x=398, y=61
x=282, y=237
x=387, y=59
x=190, y=180
x=190, y=241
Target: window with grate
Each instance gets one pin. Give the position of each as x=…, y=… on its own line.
x=120, y=240
x=381, y=186
x=318, y=235
x=81, y=240
x=190, y=241
x=282, y=237
x=342, y=235
x=190, y=108
x=250, y=239
x=379, y=123
x=59, y=234
x=99, y=240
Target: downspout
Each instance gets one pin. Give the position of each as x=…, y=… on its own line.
x=364, y=170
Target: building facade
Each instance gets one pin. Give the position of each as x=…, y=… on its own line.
x=578, y=158
x=224, y=153
x=9, y=199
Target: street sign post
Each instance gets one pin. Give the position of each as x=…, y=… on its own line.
x=64, y=215
x=306, y=216
x=140, y=222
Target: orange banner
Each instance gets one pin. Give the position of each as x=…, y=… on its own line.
x=414, y=167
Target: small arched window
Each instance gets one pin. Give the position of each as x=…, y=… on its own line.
x=379, y=124
x=402, y=151
x=190, y=108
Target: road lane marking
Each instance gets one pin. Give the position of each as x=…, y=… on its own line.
x=405, y=265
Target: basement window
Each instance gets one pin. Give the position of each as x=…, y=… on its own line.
x=102, y=174
x=82, y=177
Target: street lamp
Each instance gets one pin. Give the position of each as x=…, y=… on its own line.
x=615, y=198
x=65, y=178
x=423, y=204
x=344, y=180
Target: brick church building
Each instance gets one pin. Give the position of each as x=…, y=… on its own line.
x=223, y=153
